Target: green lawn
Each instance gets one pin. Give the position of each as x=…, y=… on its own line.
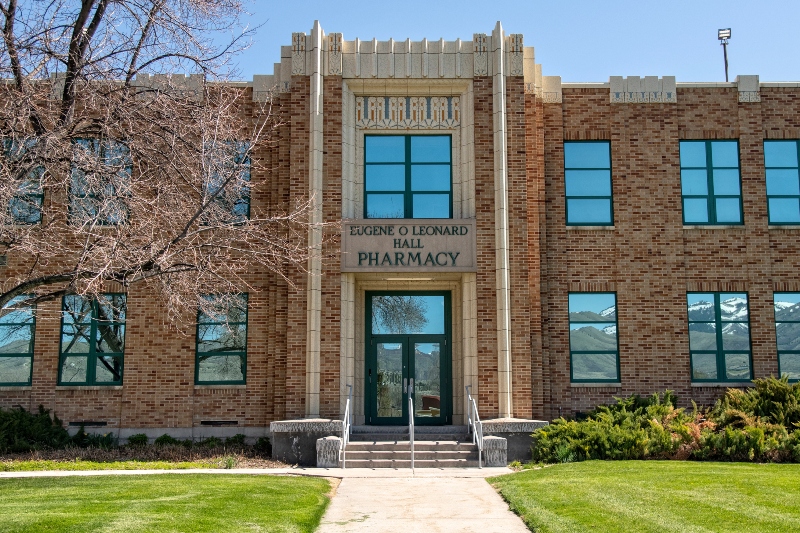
x=645, y=496
x=162, y=503
x=79, y=464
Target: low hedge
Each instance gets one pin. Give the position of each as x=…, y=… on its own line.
x=760, y=424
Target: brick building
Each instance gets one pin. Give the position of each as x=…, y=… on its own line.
x=548, y=245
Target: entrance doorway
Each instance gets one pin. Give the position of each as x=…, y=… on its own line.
x=408, y=344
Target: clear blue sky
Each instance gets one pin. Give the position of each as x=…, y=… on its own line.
x=579, y=40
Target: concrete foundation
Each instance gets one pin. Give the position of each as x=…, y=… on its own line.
x=517, y=433
x=295, y=441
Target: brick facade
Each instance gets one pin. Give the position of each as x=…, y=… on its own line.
x=648, y=258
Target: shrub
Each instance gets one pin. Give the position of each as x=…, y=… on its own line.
x=263, y=447
x=81, y=439
x=166, y=440
x=237, y=441
x=140, y=439
x=210, y=442
x=22, y=431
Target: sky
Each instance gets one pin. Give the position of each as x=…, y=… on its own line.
x=579, y=40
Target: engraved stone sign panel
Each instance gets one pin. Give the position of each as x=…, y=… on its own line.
x=408, y=245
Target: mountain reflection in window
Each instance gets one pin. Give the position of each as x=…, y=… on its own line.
x=593, y=336
x=787, y=332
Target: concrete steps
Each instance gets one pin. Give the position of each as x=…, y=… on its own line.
x=388, y=447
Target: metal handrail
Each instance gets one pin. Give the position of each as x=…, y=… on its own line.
x=474, y=425
x=346, y=425
x=411, y=428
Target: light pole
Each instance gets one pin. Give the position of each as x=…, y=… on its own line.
x=723, y=35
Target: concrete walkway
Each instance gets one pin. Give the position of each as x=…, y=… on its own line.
x=427, y=500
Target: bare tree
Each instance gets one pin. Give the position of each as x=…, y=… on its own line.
x=109, y=173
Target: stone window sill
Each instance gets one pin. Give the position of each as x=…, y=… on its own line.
x=787, y=226
x=217, y=387
x=88, y=387
x=723, y=384
x=12, y=388
x=614, y=385
x=721, y=226
x=590, y=228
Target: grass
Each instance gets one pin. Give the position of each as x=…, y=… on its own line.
x=78, y=464
x=162, y=503
x=650, y=496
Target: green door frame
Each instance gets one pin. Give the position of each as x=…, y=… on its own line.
x=408, y=341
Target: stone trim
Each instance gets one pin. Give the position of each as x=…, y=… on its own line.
x=409, y=112
x=650, y=90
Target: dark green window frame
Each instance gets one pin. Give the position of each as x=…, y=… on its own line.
x=695, y=179
x=573, y=193
x=211, y=328
x=591, y=321
x=95, y=325
x=787, y=333
x=111, y=194
x=17, y=331
x=781, y=176
x=25, y=208
x=720, y=351
x=232, y=156
x=407, y=191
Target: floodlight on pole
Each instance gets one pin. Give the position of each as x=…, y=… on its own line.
x=723, y=35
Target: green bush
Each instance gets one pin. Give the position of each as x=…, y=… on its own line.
x=22, y=431
x=759, y=424
x=210, y=442
x=81, y=439
x=237, y=441
x=166, y=440
x=140, y=439
x=263, y=447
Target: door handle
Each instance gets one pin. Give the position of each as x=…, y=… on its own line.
x=411, y=386
x=405, y=385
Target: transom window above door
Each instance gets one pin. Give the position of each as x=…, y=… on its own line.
x=408, y=176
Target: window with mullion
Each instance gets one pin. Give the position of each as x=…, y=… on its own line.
x=25, y=208
x=229, y=166
x=222, y=341
x=100, y=182
x=787, y=333
x=407, y=176
x=17, y=329
x=719, y=336
x=710, y=182
x=783, y=181
x=92, y=340
x=593, y=348
x=587, y=183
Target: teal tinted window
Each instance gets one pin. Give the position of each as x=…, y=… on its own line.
x=17, y=328
x=26, y=206
x=593, y=348
x=222, y=340
x=408, y=176
x=99, y=182
x=719, y=336
x=783, y=181
x=92, y=340
x=787, y=333
x=710, y=182
x=228, y=182
x=408, y=315
x=587, y=183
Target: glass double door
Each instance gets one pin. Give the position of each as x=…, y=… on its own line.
x=408, y=357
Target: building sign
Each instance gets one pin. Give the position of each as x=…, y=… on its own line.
x=408, y=245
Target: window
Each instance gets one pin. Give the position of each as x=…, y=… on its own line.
x=787, y=331
x=783, y=181
x=587, y=183
x=710, y=183
x=593, y=351
x=222, y=341
x=17, y=328
x=719, y=336
x=92, y=340
x=25, y=207
x=407, y=176
x=229, y=180
x=100, y=182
